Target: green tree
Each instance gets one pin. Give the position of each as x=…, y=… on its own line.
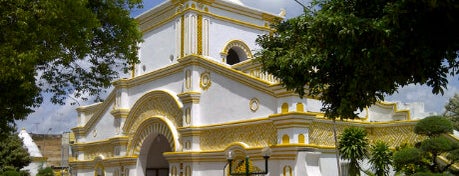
x=380, y=158
x=61, y=47
x=12, y=152
x=424, y=158
x=433, y=126
x=353, y=147
x=452, y=110
x=351, y=53
x=408, y=160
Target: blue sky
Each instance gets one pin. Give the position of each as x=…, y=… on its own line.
x=63, y=118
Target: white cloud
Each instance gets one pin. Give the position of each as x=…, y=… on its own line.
x=432, y=102
x=274, y=6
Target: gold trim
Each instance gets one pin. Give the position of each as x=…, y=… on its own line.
x=199, y=34
x=99, y=110
x=188, y=79
x=146, y=127
x=205, y=81
x=237, y=43
x=155, y=103
x=120, y=113
x=157, y=23
x=190, y=97
x=395, y=109
x=182, y=36
x=254, y=104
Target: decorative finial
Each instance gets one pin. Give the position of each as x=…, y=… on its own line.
x=282, y=12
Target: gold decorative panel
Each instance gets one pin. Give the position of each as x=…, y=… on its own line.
x=155, y=104
x=92, y=151
x=254, y=135
x=141, y=131
x=394, y=134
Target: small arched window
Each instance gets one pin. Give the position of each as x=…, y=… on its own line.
x=301, y=138
x=235, y=51
x=285, y=139
x=284, y=108
x=233, y=57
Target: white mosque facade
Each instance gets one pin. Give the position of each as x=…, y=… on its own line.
x=196, y=95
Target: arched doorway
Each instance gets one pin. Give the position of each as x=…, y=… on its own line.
x=152, y=138
x=156, y=164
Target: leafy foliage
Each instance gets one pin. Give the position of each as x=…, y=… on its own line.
x=433, y=126
x=381, y=158
x=47, y=171
x=61, y=47
x=424, y=158
x=353, y=147
x=352, y=53
x=12, y=152
x=452, y=111
x=408, y=160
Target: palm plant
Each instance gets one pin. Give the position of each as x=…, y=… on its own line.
x=353, y=147
x=381, y=158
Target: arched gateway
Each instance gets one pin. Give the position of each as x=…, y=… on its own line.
x=152, y=129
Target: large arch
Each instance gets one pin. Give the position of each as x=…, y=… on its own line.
x=156, y=103
x=151, y=127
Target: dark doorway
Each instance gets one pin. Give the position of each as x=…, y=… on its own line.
x=157, y=165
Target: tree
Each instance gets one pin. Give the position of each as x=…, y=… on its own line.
x=352, y=53
x=452, y=111
x=61, y=47
x=381, y=158
x=12, y=152
x=353, y=147
x=408, y=160
x=424, y=157
x=433, y=126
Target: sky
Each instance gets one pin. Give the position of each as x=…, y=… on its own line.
x=56, y=119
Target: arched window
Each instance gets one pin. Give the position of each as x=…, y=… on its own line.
x=284, y=108
x=233, y=57
x=299, y=107
x=301, y=138
x=285, y=139
x=287, y=171
x=235, y=51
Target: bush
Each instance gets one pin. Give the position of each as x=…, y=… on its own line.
x=45, y=172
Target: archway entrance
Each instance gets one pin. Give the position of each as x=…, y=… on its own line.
x=157, y=165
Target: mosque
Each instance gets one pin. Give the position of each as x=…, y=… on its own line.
x=196, y=99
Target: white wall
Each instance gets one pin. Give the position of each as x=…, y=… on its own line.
x=227, y=100
x=158, y=48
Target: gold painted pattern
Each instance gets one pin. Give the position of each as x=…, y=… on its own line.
x=393, y=134
x=254, y=135
x=199, y=34
x=150, y=126
x=156, y=103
